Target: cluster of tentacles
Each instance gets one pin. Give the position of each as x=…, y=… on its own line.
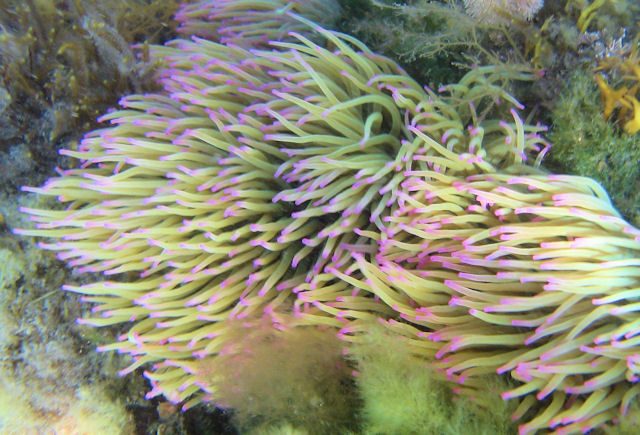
x=285, y=168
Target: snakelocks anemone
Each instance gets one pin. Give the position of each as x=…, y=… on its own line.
x=286, y=169
x=532, y=275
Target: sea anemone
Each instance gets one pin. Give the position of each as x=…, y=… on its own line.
x=253, y=23
x=289, y=176
x=534, y=275
x=234, y=189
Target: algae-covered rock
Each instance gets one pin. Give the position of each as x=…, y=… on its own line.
x=584, y=143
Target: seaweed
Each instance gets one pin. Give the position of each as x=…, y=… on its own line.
x=586, y=144
x=64, y=62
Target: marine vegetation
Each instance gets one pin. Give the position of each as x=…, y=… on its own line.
x=590, y=144
x=623, y=98
x=287, y=176
x=64, y=62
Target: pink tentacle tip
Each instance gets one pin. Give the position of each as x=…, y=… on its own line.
x=507, y=395
x=442, y=352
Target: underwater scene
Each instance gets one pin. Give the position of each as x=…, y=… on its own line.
x=317, y=217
